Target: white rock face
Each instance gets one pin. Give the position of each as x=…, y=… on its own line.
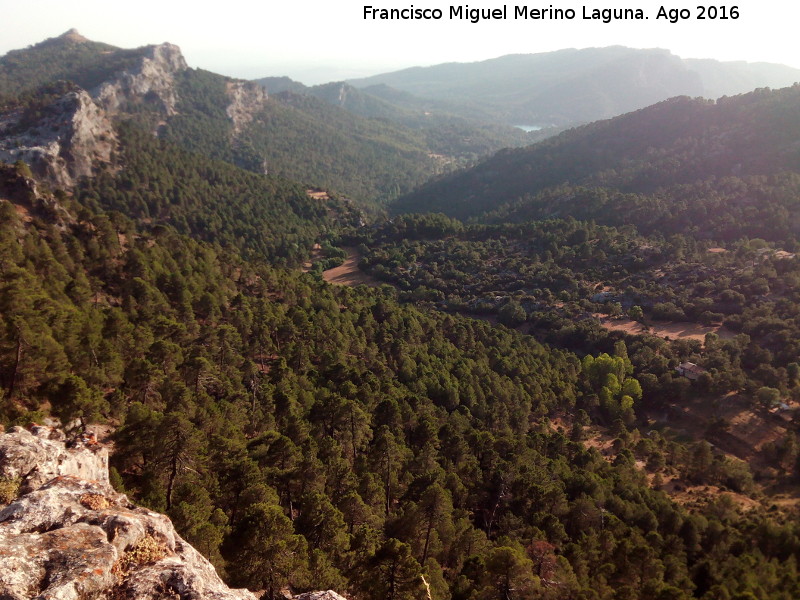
x=70, y=536
x=329, y=595
x=39, y=455
x=153, y=78
x=247, y=98
x=75, y=134
x=72, y=138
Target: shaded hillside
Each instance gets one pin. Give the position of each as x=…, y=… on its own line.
x=457, y=140
x=298, y=137
x=463, y=139
x=682, y=158
x=572, y=86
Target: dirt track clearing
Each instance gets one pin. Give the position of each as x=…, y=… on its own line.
x=348, y=272
x=682, y=330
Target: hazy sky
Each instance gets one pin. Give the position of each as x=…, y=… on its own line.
x=316, y=41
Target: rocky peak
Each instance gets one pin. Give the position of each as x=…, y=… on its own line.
x=73, y=135
x=152, y=79
x=73, y=36
x=169, y=56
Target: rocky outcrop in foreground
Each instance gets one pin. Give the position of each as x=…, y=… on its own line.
x=65, y=534
x=68, y=535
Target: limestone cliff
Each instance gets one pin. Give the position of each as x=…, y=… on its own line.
x=72, y=137
x=247, y=98
x=69, y=535
x=153, y=79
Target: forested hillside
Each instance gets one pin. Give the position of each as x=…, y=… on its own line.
x=548, y=273
x=261, y=216
x=70, y=56
x=504, y=418
x=300, y=138
x=458, y=139
x=295, y=136
x=327, y=437
x=670, y=166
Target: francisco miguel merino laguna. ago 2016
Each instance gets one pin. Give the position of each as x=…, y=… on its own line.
x=549, y=13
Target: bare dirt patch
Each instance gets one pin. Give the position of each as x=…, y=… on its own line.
x=698, y=496
x=348, y=272
x=739, y=429
x=23, y=213
x=317, y=194
x=678, y=330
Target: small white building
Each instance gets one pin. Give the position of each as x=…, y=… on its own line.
x=690, y=370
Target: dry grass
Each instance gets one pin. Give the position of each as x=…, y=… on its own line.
x=147, y=550
x=678, y=330
x=318, y=194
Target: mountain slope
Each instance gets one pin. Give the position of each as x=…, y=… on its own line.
x=222, y=118
x=433, y=125
x=651, y=152
x=298, y=137
x=309, y=436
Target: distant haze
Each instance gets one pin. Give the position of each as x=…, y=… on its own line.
x=317, y=41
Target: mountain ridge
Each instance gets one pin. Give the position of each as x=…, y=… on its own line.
x=551, y=87
x=680, y=141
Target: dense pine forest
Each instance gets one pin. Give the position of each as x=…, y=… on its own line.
x=476, y=425
x=329, y=437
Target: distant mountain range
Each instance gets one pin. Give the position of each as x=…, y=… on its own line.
x=572, y=86
x=373, y=139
